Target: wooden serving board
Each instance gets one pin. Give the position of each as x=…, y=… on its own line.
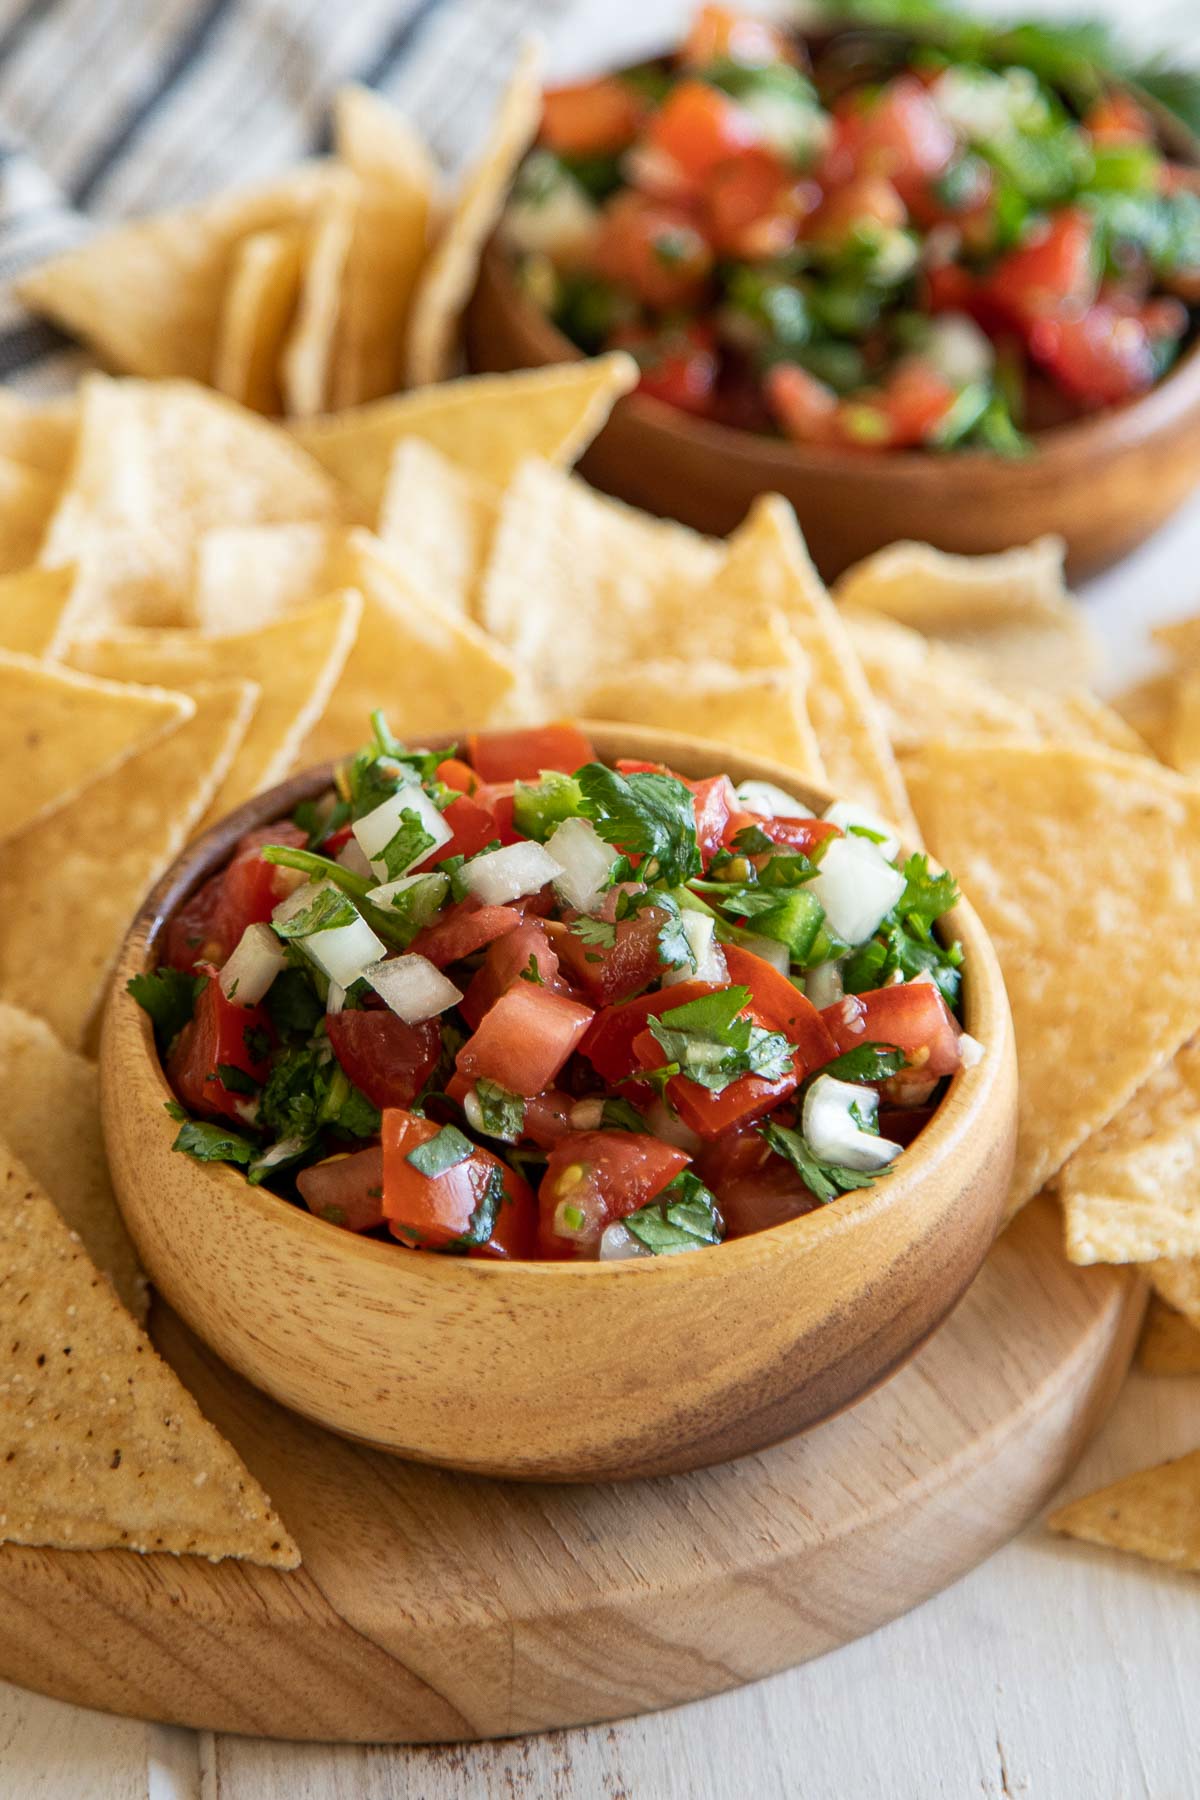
x=434, y=1606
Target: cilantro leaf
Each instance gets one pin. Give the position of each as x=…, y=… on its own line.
x=712, y=1045
x=328, y=910
x=685, y=1216
x=752, y=840
x=308, y=1090
x=866, y=1063
x=445, y=1151
x=926, y=896
x=293, y=1004
x=621, y=1115
x=598, y=934
x=211, y=1143
x=169, y=996
x=233, y=1079
x=674, y=951
x=643, y=814
x=406, y=847
x=482, y=1222
x=822, y=1179
x=531, y=972
x=501, y=1113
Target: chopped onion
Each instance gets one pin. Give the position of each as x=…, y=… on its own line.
x=376, y=831
x=617, y=1244
x=549, y=213
x=336, y=999
x=846, y=814
x=502, y=875
x=834, y=1135
x=351, y=857
x=342, y=952
x=856, y=887
x=708, y=959
x=413, y=988
x=971, y=1050
x=258, y=959
x=586, y=862
x=770, y=801
x=771, y=951
x=662, y=1121
x=586, y=1115
x=823, y=985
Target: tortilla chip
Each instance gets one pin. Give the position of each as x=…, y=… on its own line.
x=768, y=566
x=27, y=502
x=35, y=608
x=1155, y=1513
x=69, y=885
x=397, y=190
x=256, y=313
x=576, y=583
x=1183, y=737
x=104, y=1448
x=248, y=576
x=486, y=425
x=449, y=275
x=1039, y=837
x=41, y=435
x=306, y=364
x=148, y=296
x=295, y=662
x=1010, y=614
x=1149, y=710
x=1177, y=1281
x=1170, y=1344
x=1078, y=717
x=437, y=522
x=759, y=711
x=50, y=1118
x=60, y=730
x=1181, y=637
x=924, y=690
x=156, y=464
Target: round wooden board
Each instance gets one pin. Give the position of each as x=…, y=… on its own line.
x=433, y=1606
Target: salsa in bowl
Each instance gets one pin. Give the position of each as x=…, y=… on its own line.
x=543, y=1368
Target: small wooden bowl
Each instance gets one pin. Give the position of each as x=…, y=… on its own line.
x=1104, y=483
x=560, y=1371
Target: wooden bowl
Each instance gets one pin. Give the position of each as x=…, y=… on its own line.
x=1103, y=483
x=560, y=1371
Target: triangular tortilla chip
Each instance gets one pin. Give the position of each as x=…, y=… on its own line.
x=575, y=582
x=148, y=296
x=449, y=275
x=249, y=575
x=156, y=464
x=397, y=189
x=1155, y=1513
x=256, y=315
x=768, y=567
x=42, y=434
x=758, y=711
x=35, y=607
x=1183, y=737
x=923, y=689
x=60, y=730
x=437, y=521
x=1169, y=1344
x=1177, y=1280
x=104, y=1448
x=1149, y=710
x=485, y=424
x=70, y=884
x=306, y=362
x=27, y=502
x=1009, y=614
x=50, y=1118
x=1066, y=852
x=1076, y=716
x=296, y=663
x=1181, y=637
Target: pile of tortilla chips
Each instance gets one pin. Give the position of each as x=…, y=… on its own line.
x=340, y=282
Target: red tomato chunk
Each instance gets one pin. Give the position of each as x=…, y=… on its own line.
x=913, y=1017
x=346, y=1190
x=522, y=755
x=524, y=1039
x=435, y=1210
x=594, y=1178
x=388, y=1060
x=220, y=1034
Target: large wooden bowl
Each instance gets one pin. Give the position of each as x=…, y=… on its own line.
x=1104, y=483
x=561, y=1371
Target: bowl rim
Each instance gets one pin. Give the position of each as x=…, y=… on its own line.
x=984, y=1000
x=1110, y=430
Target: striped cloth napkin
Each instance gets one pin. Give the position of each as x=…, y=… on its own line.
x=110, y=108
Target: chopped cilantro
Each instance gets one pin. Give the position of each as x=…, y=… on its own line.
x=685, y=1216
x=292, y=1003
x=752, y=840
x=531, y=972
x=307, y=1089
x=501, y=1113
x=643, y=814
x=169, y=996
x=866, y=1063
x=712, y=1045
x=442, y=1152
x=328, y=910
x=621, y=1115
x=597, y=933
x=406, y=847
x=482, y=1222
x=233, y=1079
x=822, y=1179
x=210, y=1143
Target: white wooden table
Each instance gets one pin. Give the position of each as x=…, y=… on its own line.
x=1053, y=1671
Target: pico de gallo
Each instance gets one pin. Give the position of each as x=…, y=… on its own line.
x=513, y=1002
x=864, y=240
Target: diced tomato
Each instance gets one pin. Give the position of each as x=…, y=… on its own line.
x=898, y=133
x=714, y=800
x=514, y=1234
x=457, y=774
x=389, y=1061
x=608, y=1045
x=473, y=825
x=698, y=127
x=548, y=1117
x=346, y=1190
x=522, y=755
x=805, y=407
x=948, y=287
x=755, y=1189
x=1116, y=118
x=916, y=400
x=525, y=1038
x=462, y=929
x=1054, y=273
x=654, y=248
x=755, y=207
x=707, y=1113
x=337, y=840
x=790, y=834
x=868, y=200
x=595, y=1177
x=903, y=1124
x=220, y=1034
x=912, y=1016
x=430, y=1210
x=507, y=961
x=497, y=796
x=722, y=34
x=678, y=365
x=606, y=973
x=782, y=1007
x=253, y=888
x=1104, y=355
x=591, y=118
x=191, y=932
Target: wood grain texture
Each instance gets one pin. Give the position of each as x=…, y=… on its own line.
x=1104, y=483
x=479, y=1365
x=433, y=1606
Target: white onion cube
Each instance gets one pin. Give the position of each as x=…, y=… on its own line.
x=846, y=814
x=707, y=958
x=502, y=875
x=834, y=1135
x=413, y=987
x=771, y=802
x=258, y=959
x=376, y=831
x=771, y=951
x=342, y=951
x=586, y=862
x=856, y=887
